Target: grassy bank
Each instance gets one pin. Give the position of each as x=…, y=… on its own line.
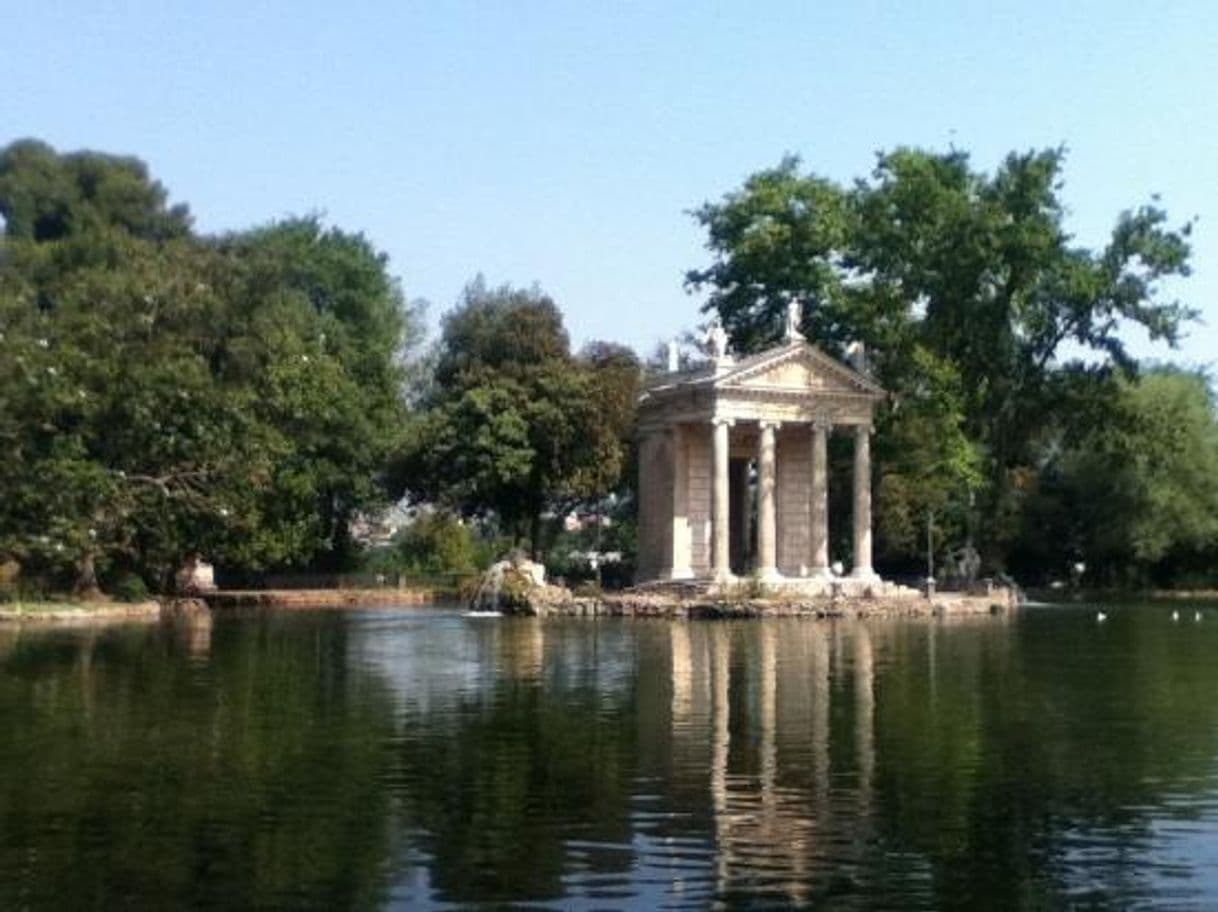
x=68, y=610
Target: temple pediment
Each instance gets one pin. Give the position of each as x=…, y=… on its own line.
x=789, y=383
x=797, y=368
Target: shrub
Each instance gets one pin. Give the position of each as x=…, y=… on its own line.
x=129, y=587
x=435, y=543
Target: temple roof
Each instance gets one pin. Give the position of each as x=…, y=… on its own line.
x=793, y=367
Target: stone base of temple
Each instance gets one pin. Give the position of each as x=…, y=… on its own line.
x=673, y=602
x=783, y=587
x=750, y=597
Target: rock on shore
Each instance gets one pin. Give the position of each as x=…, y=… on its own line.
x=517, y=586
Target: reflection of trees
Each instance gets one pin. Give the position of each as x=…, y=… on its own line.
x=866, y=764
x=499, y=798
x=940, y=764
x=143, y=780
x=1013, y=749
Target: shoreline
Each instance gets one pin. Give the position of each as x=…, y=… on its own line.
x=627, y=603
x=61, y=612
x=670, y=607
x=307, y=599
x=64, y=612
x=1085, y=596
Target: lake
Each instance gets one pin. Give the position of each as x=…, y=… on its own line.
x=426, y=759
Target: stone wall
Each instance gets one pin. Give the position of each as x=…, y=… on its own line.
x=792, y=497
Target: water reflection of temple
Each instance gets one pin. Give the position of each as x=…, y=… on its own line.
x=781, y=785
x=763, y=733
x=785, y=761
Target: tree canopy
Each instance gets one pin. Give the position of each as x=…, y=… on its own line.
x=514, y=425
x=163, y=393
x=48, y=196
x=1135, y=498
x=247, y=396
x=966, y=287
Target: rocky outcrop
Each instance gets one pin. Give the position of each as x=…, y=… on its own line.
x=517, y=585
x=518, y=588
x=684, y=606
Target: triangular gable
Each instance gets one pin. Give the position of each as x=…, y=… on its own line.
x=794, y=367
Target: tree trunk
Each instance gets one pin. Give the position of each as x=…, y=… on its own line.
x=535, y=535
x=86, y=586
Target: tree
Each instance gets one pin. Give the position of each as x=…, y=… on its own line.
x=163, y=394
x=1135, y=498
x=927, y=463
x=938, y=267
x=120, y=444
x=616, y=375
x=45, y=196
x=514, y=425
x=335, y=321
x=435, y=542
x=504, y=331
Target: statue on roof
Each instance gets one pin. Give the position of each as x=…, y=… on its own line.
x=716, y=339
x=795, y=314
x=856, y=356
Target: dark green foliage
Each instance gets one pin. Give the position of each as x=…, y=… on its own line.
x=434, y=543
x=1136, y=499
x=338, y=322
x=129, y=587
x=163, y=394
x=45, y=196
x=965, y=287
x=500, y=331
x=514, y=426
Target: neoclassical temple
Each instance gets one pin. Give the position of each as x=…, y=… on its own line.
x=733, y=475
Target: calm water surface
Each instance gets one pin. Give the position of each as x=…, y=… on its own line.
x=422, y=760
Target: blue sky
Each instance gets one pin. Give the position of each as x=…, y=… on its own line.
x=565, y=143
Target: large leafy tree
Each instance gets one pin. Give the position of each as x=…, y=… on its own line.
x=163, y=394
x=46, y=196
x=965, y=287
x=332, y=323
x=120, y=441
x=514, y=426
x=1136, y=498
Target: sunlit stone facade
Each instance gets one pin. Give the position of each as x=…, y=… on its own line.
x=733, y=476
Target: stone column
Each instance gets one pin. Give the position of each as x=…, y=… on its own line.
x=819, y=512
x=720, y=514
x=679, y=532
x=862, y=503
x=767, y=519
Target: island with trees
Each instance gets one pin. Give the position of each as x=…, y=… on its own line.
x=262, y=398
